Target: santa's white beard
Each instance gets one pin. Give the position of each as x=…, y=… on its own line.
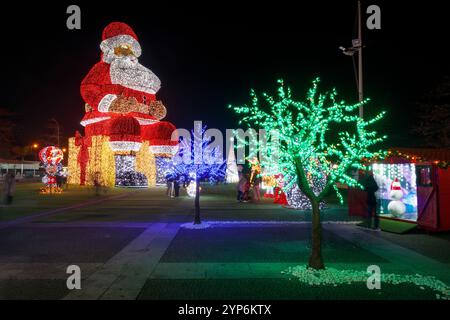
x=128, y=72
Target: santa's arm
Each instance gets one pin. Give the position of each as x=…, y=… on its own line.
x=97, y=90
x=101, y=97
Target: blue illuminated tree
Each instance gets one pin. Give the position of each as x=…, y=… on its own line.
x=198, y=160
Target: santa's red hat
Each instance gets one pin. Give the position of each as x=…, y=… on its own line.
x=395, y=185
x=116, y=34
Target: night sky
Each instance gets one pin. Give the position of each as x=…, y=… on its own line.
x=209, y=56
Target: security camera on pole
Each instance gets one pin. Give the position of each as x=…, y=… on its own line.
x=357, y=46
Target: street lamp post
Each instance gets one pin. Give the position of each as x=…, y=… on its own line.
x=25, y=151
x=357, y=46
x=35, y=147
x=360, y=63
x=57, y=130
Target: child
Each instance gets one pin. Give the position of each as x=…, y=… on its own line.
x=256, y=188
x=241, y=187
x=246, y=191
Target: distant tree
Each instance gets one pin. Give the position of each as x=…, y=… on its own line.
x=52, y=134
x=6, y=132
x=21, y=152
x=318, y=138
x=185, y=169
x=434, y=116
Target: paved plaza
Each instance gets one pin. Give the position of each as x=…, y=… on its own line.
x=132, y=244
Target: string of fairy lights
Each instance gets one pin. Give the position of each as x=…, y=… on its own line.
x=444, y=164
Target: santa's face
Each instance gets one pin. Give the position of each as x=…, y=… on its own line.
x=123, y=50
x=128, y=72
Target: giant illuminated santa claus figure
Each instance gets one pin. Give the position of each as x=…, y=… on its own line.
x=121, y=112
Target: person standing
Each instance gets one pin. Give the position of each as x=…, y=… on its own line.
x=9, y=188
x=97, y=184
x=176, y=187
x=170, y=186
x=257, y=188
x=370, y=186
x=241, y=187
x=246, y=196
x=59, y=180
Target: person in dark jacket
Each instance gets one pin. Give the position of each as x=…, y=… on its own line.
x=241, y=187
x=370, y=186
x=170, y=186
x=59, y=180
x=9, y=187
x=176, y=187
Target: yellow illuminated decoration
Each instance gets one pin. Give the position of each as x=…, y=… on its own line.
x=73, y=166
x=145, y=163
x=51, y=190
x=108, y=166
x=101, y=165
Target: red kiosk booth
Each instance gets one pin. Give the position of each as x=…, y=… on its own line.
x=414, y=187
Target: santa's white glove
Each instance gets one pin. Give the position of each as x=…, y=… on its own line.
x=105, y=103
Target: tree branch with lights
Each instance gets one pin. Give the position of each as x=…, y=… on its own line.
x=320, y=138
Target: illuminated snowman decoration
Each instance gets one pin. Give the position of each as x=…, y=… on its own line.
x=396, y=207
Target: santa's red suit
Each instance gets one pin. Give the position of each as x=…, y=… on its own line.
x=98, y=92
x=120, y=77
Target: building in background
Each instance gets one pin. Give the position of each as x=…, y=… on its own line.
x=20, y=168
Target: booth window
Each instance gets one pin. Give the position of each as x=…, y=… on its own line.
x=424, y=176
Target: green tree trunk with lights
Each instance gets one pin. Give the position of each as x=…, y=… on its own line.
x=317, y=138
x=315, y=259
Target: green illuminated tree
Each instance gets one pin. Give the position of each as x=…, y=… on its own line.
x=318, y=138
